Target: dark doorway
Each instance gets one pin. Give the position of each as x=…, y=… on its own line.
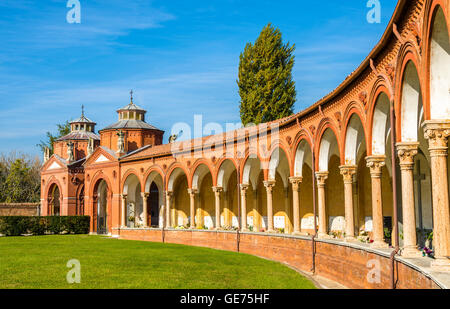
x=153, y=204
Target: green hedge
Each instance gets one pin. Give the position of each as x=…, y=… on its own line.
x=19, y=225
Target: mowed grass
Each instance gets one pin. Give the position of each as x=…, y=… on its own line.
x=40, y=262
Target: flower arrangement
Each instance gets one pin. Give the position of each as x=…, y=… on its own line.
x=427, y=252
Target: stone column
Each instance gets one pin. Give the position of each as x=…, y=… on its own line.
x=406, y=152
x=123, y=221
x=167, y=221
x=347, y=172
x=321, y=178
x=269, y=184
x=192, y=193
x=217, y=192
x=375, y=163
x=244, y=189
x=437, y=134
x=145, y=208
x=296, y=181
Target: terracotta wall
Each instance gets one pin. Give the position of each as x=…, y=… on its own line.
x=24, y=209
x=343, y=264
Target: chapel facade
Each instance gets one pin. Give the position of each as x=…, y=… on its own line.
x=378, y=140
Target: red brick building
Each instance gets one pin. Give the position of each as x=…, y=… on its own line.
x=261, y=179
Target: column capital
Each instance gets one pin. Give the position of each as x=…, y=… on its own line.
x=124, y=195
x=169, y=193
x=437, y=133
x=406, y=153
x=244, y=187
x=321, y=177
x=217, y=189
x=295, y=181
x=269, y=183
x=347, y=172
x=145, y=194
x=375, y=163
x=192, y=191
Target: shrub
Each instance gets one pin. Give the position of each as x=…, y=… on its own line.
x=20, y=225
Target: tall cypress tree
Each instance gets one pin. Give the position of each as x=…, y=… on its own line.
x=265, y=82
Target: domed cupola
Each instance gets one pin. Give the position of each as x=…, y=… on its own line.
x=131, y=132
x=80, y=142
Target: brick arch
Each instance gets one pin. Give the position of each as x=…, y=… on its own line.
x=431, y=8
x=354, y=111
x=155, y=168
x=53, y=181
x=127, y=174
x=219, y=167
x=278, y=144
x=170, y=170
x=325, y=124
x=408, y=56
x=302, y=135
x=378, y=89
x=99, y=175
x=248, y=153
x=195, y=167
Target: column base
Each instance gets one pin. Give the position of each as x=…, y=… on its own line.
x=297, y=233
x=350, y=239
x=411, y=252
x=245, y=230
x=379, y=245
x=323, y=236
x=441, y=264
x=271, y=231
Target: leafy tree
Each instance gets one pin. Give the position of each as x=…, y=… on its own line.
x=19, y=178
x=63, y=129
x=265, y=82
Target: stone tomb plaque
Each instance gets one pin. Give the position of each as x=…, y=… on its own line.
x=308, y=223
x=180, y=221
x=222, y=220
x=279, y=222
x=209, y=222
x=337, y=223
x=265, y=222
x=234, y=221
x=249, y=221
x=368, y=225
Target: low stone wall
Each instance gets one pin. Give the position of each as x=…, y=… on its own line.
x=341, y=262
x=19, y=209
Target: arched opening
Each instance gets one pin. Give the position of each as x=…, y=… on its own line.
x=253, y=177
x=304, y=169
x=329, y=161
x=412, y=117
x=439, y=68
x=227, y=180
x=54, y=200
x=180, y=204
x=155, y=199
x=205, y=210
x=135, y=210
x=381, y=146
x=80, y=202
x=355, y=154
x=279, y=172
x=100, y=213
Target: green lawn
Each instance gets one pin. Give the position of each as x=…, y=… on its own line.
x=40, y=262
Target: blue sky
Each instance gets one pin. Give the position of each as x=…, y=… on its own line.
x=180, y=58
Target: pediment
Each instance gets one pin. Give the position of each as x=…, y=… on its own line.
x=54, y=166
x=100, y=156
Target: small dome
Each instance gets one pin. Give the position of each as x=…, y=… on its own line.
x=82, y=124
